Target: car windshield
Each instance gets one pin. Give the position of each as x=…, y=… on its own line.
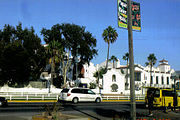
x=65, y=90
x=155, y=92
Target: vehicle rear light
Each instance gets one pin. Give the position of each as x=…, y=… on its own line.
x=68, y=94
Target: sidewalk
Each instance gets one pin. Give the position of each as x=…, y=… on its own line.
x=158, y=115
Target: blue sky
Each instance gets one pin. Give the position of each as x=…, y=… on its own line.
x=160, y=23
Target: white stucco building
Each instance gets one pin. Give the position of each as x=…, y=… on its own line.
x=116, y=80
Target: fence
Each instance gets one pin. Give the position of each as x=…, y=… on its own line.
x=37, y=96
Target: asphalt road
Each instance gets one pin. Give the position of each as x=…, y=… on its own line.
x=102, y=111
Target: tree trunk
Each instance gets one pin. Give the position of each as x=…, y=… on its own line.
x=127, y=84
x=107, y=58
x=150, y=76
x=64, y=77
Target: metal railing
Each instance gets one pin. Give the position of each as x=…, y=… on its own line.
x=122, y=97
x=36, y=96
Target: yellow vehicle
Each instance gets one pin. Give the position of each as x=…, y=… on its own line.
x=164, y=97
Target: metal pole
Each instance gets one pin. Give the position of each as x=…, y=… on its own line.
x=131, y=61
x=175, y=98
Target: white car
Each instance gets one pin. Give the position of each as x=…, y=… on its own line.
x=76, y=95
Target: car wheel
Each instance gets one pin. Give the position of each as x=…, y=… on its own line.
x=98, y=100
x=75, y=100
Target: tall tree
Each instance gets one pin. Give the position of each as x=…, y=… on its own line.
x=126, y=58
x=151, y=62
x=114, y=59
x=75, y=42
x=109, y=35
x=22, y=57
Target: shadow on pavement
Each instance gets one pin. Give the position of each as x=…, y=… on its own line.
x=86, y=113
x=125, y=115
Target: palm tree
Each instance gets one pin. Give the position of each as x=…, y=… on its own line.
x=151, y=61
x=114, y=59
x=109, y=35
x=54, y=49
x=126, y=58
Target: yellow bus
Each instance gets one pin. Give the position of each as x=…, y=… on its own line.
x=164, y=97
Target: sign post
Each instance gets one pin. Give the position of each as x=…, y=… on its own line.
x=131, y=61
x=129, y=18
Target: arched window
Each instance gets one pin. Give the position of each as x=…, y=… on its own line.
x=113, y=78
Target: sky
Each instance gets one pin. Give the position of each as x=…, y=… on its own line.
x=160, y=25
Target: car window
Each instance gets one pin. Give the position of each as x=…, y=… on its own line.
x=90, y=92
x=178, y=94
x=65, y=90
x=167, y=93
x=76, y=91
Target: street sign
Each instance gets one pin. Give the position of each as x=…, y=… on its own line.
x=122, y=15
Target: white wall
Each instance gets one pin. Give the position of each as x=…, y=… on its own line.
x=107, y=82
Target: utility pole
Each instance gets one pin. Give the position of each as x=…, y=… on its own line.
x=131, y=61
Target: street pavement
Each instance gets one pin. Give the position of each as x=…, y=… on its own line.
x=93, y=111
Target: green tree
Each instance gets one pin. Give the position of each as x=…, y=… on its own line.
x=54, y=50
x=114, y=59
x=109, y=35
x=126, y=58
x=151, y=62
x=75, y=41
x=22, y=57
x=99, y=74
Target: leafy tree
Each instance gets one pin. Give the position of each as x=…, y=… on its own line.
x=92, y=85
x=126, y=58
x=75, y=41
x=109, y=35
x=100, y=73
x=114, y=59
x=81, y=42
x=151, y=62
x=55, y=50
x=22, y=57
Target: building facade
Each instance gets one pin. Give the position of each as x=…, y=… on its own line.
x=117, y=81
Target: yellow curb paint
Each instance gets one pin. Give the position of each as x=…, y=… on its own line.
x=121, y=100
x=32, y=101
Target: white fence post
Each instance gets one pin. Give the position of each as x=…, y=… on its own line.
x=26, y=97
x=10, y=97
x=42, y=97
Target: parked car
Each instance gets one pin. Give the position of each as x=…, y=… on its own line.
x=76, y=95
x=3, y=101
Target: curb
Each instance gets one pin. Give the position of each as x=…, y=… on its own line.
x=36, y=101
x=30, y=101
